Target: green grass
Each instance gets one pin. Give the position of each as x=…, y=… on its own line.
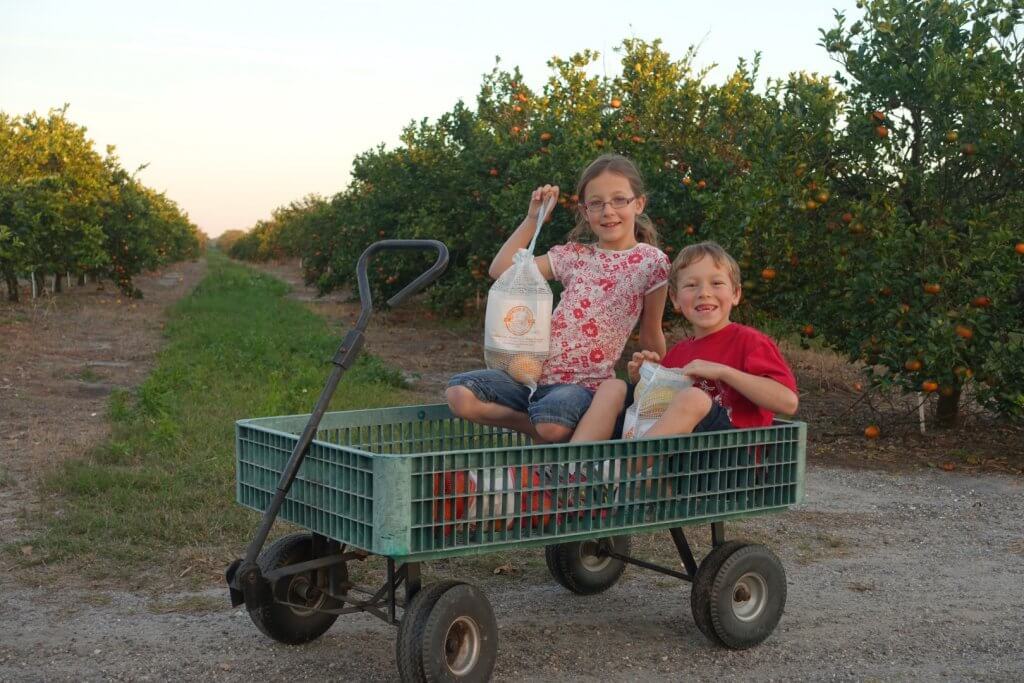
x=235, y=348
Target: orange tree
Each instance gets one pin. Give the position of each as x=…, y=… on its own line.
x=64, y=209
x=884, y=217
x=465, y=177
x=52, y=185
x=928, y=173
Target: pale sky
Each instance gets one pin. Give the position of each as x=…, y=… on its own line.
x=241, y=107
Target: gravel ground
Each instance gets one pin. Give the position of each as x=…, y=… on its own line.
x=891, y=576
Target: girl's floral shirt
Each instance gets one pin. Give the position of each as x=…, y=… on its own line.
x=600, y=305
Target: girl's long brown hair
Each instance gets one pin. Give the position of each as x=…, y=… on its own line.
x=644, y=229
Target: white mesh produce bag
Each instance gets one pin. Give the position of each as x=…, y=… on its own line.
x=517, y=332
x=654, y=392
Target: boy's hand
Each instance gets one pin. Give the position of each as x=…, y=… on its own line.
x=539, y=196
x=705, y=369
x=633, y=366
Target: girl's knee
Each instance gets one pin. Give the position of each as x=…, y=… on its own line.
x=553, y=432
x=461, y=401
x=613, y=388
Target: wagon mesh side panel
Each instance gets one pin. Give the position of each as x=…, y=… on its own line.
x=332, y=495
x=475, y=499
x=446, y=486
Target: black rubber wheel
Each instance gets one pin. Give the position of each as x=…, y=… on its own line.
x=408, y=644
x=460, y=637
x=747, y=597
x=700, y=592
x=579, y=566
x=287, y=623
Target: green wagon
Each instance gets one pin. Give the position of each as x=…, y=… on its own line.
x=413, y=484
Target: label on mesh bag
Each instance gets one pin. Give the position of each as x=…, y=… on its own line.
x=518, y=323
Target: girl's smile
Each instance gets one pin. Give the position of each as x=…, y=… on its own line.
x=614, y=227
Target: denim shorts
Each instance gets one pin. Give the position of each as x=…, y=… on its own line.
x=716, y=420
x=561, y=404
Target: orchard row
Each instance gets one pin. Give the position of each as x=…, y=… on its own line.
x=880, y=210
x=68, y=212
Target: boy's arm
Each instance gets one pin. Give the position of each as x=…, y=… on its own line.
x=652, y=336
x=763, y=392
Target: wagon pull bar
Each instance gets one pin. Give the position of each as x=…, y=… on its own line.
x=425, y=278
x=244, y=574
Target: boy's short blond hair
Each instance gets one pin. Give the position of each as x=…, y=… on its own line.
x=695, y=252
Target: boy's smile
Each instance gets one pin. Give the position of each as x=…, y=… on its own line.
x=705, y=294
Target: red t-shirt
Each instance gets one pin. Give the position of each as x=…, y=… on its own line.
x=745, y=349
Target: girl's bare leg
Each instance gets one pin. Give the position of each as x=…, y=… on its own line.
x=598, y=423
x=466, y=405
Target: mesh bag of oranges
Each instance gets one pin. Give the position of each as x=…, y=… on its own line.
x=654, y=392
x=517, y=331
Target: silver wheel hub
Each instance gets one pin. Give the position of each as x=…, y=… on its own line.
x=590, y=559
x=749, y=597
x=462, y=646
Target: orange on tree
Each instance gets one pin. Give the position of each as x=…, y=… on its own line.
x=928, y=386
x=913, y=365
x=768, y=274
x=981, y=302
x=963, y=331
x=872, y=432
x=932, y=287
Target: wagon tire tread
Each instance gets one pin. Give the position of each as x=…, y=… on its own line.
x=700, y=592
x=278, y=621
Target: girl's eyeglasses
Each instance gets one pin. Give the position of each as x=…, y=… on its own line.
x=597, y=207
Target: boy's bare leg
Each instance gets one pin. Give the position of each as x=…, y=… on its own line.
x=466, y=405
x=685, y=412
x=598, y=423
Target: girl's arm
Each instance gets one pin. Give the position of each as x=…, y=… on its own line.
x=520, y=239
x=652, y=337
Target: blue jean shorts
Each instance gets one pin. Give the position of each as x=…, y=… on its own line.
x=561, y=404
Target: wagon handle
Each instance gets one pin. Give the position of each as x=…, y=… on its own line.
x=245, y=572
x=424, y=279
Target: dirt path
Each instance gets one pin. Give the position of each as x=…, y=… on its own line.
x=910, y=576
x=60, y=359
x=891, y=574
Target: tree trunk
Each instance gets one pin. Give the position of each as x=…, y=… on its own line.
x=947, y=414
x=57, y=286
x=12, y=284
x=81, y=279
